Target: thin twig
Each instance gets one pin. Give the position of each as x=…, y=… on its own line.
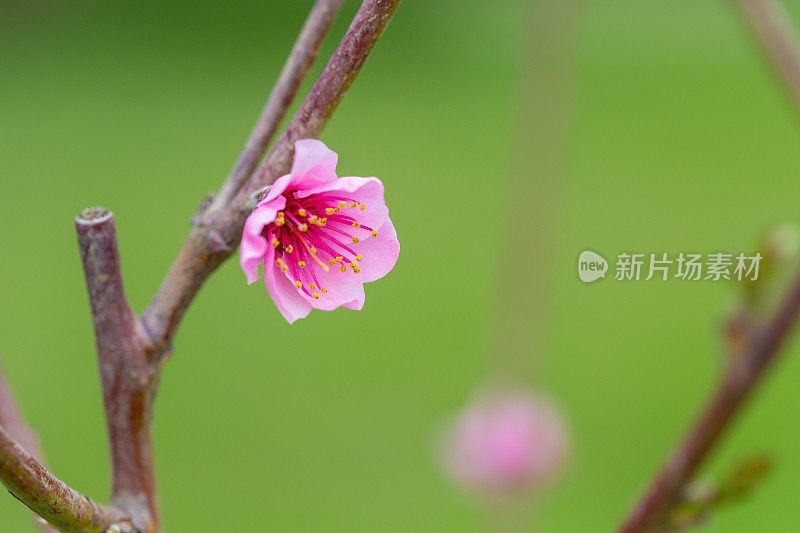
x=775, y=33
x=131, y=350
x=11, y=419
x=743, y=374
x=51, y=498
x=297, y=65
x=216, y=235
x=127, y=380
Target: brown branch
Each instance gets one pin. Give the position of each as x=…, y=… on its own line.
x=216, y=234
x=131, y=350
x=11, y=419
x=775, y=33
x=744, y=373
x=51, y=498
x=128, y=382
x=300, y=60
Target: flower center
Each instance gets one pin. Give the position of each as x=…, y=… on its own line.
x=320, y=229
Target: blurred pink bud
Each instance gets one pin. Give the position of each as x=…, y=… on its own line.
x=506, y=441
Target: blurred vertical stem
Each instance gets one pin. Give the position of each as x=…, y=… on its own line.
x=773, y=29
x=533, y=188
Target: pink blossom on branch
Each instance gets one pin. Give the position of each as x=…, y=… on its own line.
x=318, y=237
x=507, y=441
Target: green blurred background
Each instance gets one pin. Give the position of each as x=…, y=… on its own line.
x=681, y=140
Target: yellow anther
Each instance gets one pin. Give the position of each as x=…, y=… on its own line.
x=303, y=227
x=339, y=259
x=298, y=284
x=356, y=225
x=336, y=210
x=280, y=221
x=359, y=258
x=315, y=295
x=351, y=264
x=284, y=268
x=362, y=206
x=302, y=212
x=275, y=242
x=353, y=204
x=324, y=290
x=355, y=240
x=312, y=285
x=332, y=261
x=342, y=204
x=312, y=218
x=289, y=249
x=280, y=214
x=301, y=264
x=313, y=250
x=279, y=261
x=329, y=210
x=374, y=233
x=343, y=268
x=356, y=270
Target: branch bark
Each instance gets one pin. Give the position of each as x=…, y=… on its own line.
x=744, y=373
x=778, y=39
x=128, y=382
x=51, y=498
x=216, y=233
x=11, y=419
x=130, y=349
x=297, y=65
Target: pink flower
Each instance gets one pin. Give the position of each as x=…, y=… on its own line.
x=507, y=441
x=319, y=237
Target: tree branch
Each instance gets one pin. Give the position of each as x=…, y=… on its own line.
x=11, y=419
x=128, y=382
x=744, y=373
x=297, y=65
x=775, y=33
x=216, y=233
x=51, y=498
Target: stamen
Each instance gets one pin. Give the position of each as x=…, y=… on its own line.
x=356, y=225
x=303, y=227
x=298, y=284
x=301, y=264
x=302, y=212
x=343, y=268
x=359, y=257
x=355, y=239
x=313, y=252
x=312, y=285
x=324, y=290
x=289, y=249
x=374, y=233
x=356, y=270
x=342, y=204
x=275, y=242
x=362, y=206
x=315, y=295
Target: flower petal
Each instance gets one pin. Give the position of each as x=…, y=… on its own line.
x=291, y=305
x=366, y=191
x=314, y=163
x=254, y=245
x=380, y=253
x=344, y=289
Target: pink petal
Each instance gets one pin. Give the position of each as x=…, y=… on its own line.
x=277, y=189
x=380, y=253
x=254, y=245
x=345, y=289
x=366, y=191
x=314, y=163
x=291, y=305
